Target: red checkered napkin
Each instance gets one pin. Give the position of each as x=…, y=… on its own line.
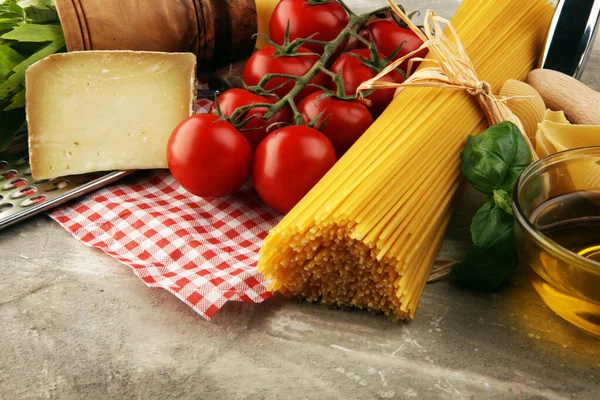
x=203, y=252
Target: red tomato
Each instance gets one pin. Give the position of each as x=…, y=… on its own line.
x=388, y=36
x=326, y=20
x=209, y=158
x=263, y=62
x=354, y=72
x=257, y=128
x=288, y=163
x=348, y=119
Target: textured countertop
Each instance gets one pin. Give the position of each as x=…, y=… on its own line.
x=75, y=323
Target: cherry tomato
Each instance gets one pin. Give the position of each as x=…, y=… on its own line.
x=388, y=36
x=326, y=21
x=348, y=119
x=354, y=72
x=288, y=163
x=208, y=157
x=257, y=128
x=264, y=62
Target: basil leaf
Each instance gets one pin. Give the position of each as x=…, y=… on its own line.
x=490, y=224
x=503, y=201
x=493, y=257
x=494, y=159
x=488, y=268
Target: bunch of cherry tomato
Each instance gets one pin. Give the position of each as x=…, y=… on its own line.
x=212, y=155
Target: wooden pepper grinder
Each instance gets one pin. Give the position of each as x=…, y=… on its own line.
x=217, y=31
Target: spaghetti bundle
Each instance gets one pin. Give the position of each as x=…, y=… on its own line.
x=368, y=233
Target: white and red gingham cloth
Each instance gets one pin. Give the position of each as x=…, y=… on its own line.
x=203, y=252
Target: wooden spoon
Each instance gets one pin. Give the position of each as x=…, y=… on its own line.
x=561, y=92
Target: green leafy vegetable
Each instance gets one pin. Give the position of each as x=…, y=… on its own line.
x=495, y=159
x=493, y=257
x=9, y=58
x=40, y=11
x=35, y=33
x=10, y=122
x=492, y=162
x=18, y=101
x=10, y=15
x=487, y=268
x=503, y=201
x=29, y=31
x=491, y=223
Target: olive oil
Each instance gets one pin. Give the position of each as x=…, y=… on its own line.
x=573, y=221
x=572, y=291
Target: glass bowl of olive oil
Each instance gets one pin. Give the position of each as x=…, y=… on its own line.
x=556, y=203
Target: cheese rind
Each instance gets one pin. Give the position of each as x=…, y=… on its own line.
x=106, y=110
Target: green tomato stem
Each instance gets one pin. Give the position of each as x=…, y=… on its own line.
x=355, y=22
x=240, y=110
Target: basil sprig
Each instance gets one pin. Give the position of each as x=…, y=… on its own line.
x=492, y=163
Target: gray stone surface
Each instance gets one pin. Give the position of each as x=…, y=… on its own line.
x=75, y=324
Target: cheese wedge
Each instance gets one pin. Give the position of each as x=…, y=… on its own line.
x=106, y=110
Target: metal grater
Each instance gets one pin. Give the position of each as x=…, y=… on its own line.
x=21, y=196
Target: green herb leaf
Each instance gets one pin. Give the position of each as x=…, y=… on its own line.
x=10, y=15
x=487, y=268
x=493, y=257
x=40, y=11
x=11, y=122
x=35, y=33
x=39, y=4
x=17, y=101
x=9, y=7
x=9, y=58
x=495, y=159
x=503, y=201
x=491, y=223
x=17, y=78
x=29, y=31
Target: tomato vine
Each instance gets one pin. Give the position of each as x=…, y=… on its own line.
x=355, y=24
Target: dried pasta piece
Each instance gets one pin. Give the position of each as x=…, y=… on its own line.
x=556, y=134
x=565, y=136
x=528, y=105
x=543, y=146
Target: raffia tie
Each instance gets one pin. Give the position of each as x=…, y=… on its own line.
x=448, y=67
